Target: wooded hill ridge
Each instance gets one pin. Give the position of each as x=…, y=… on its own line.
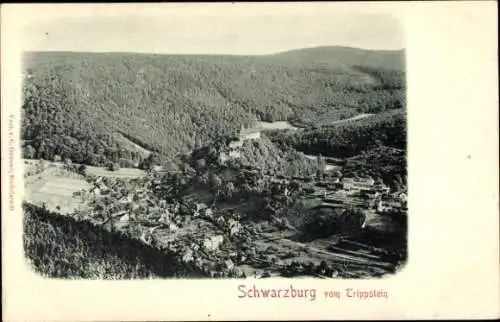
x=94, y=108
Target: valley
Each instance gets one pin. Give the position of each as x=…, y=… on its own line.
x=265, y=166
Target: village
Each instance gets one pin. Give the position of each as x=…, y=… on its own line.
x=211, y=238
x=333, y=189
x=214, y=238
x=204, y=221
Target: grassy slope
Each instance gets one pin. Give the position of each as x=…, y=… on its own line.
x=161, y=102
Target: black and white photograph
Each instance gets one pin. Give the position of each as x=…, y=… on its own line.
x=249, y=161
x=215, y=146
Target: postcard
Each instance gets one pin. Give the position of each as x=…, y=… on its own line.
x=250, y=161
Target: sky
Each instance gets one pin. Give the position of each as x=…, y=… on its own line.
x=207, y=28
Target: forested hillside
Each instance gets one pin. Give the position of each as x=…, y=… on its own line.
x=350, y=138
x=61, y=247
x=264, y=154
x=94, y=108
x=339, y=55
x=373, y=146
x=382, y=162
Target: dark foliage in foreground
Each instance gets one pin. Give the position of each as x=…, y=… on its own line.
x=61, y=247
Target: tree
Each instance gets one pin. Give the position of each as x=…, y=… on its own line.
x=113, y=166
x=215, y=181
x=213, y=154
x=351, y=221
x=29, y=152
x=203, y=178
x=187, y=170
x=322, y=267
x=399, y=179
x=148, y=163
x=201, y=164
x=397, y=184
x=229, y=190
x=197, y=142
x=82, y=169
x=321, y=167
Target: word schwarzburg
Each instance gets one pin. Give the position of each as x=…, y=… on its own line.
x=291, y=292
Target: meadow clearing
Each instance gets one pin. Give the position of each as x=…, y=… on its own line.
x=120, y=173
x=51, y=184
x=54, y=187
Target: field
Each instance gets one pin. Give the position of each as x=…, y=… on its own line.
x=63, y=187
x=278, y=125
x=120, y=173
x=54, y=186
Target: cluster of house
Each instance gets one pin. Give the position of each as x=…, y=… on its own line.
x=127, y=203
x=364, y=192
x=135, y=204
x=214, y=250
x=359, y=192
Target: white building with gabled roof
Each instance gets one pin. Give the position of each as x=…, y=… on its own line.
x=357, y=184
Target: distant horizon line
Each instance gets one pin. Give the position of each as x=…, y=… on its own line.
x=212, y=54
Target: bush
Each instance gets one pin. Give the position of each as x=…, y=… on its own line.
x=82, y=169
x=327, y=222
x=113, y=166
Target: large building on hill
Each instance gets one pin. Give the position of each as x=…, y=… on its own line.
x=357, y=184
x=235, y=145
x=388, y=203
x=249, y=134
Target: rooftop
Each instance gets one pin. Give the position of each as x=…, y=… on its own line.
x=248, y=131
x=358, y=180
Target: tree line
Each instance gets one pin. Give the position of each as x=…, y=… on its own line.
x=97, y=108
x=350, y=138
